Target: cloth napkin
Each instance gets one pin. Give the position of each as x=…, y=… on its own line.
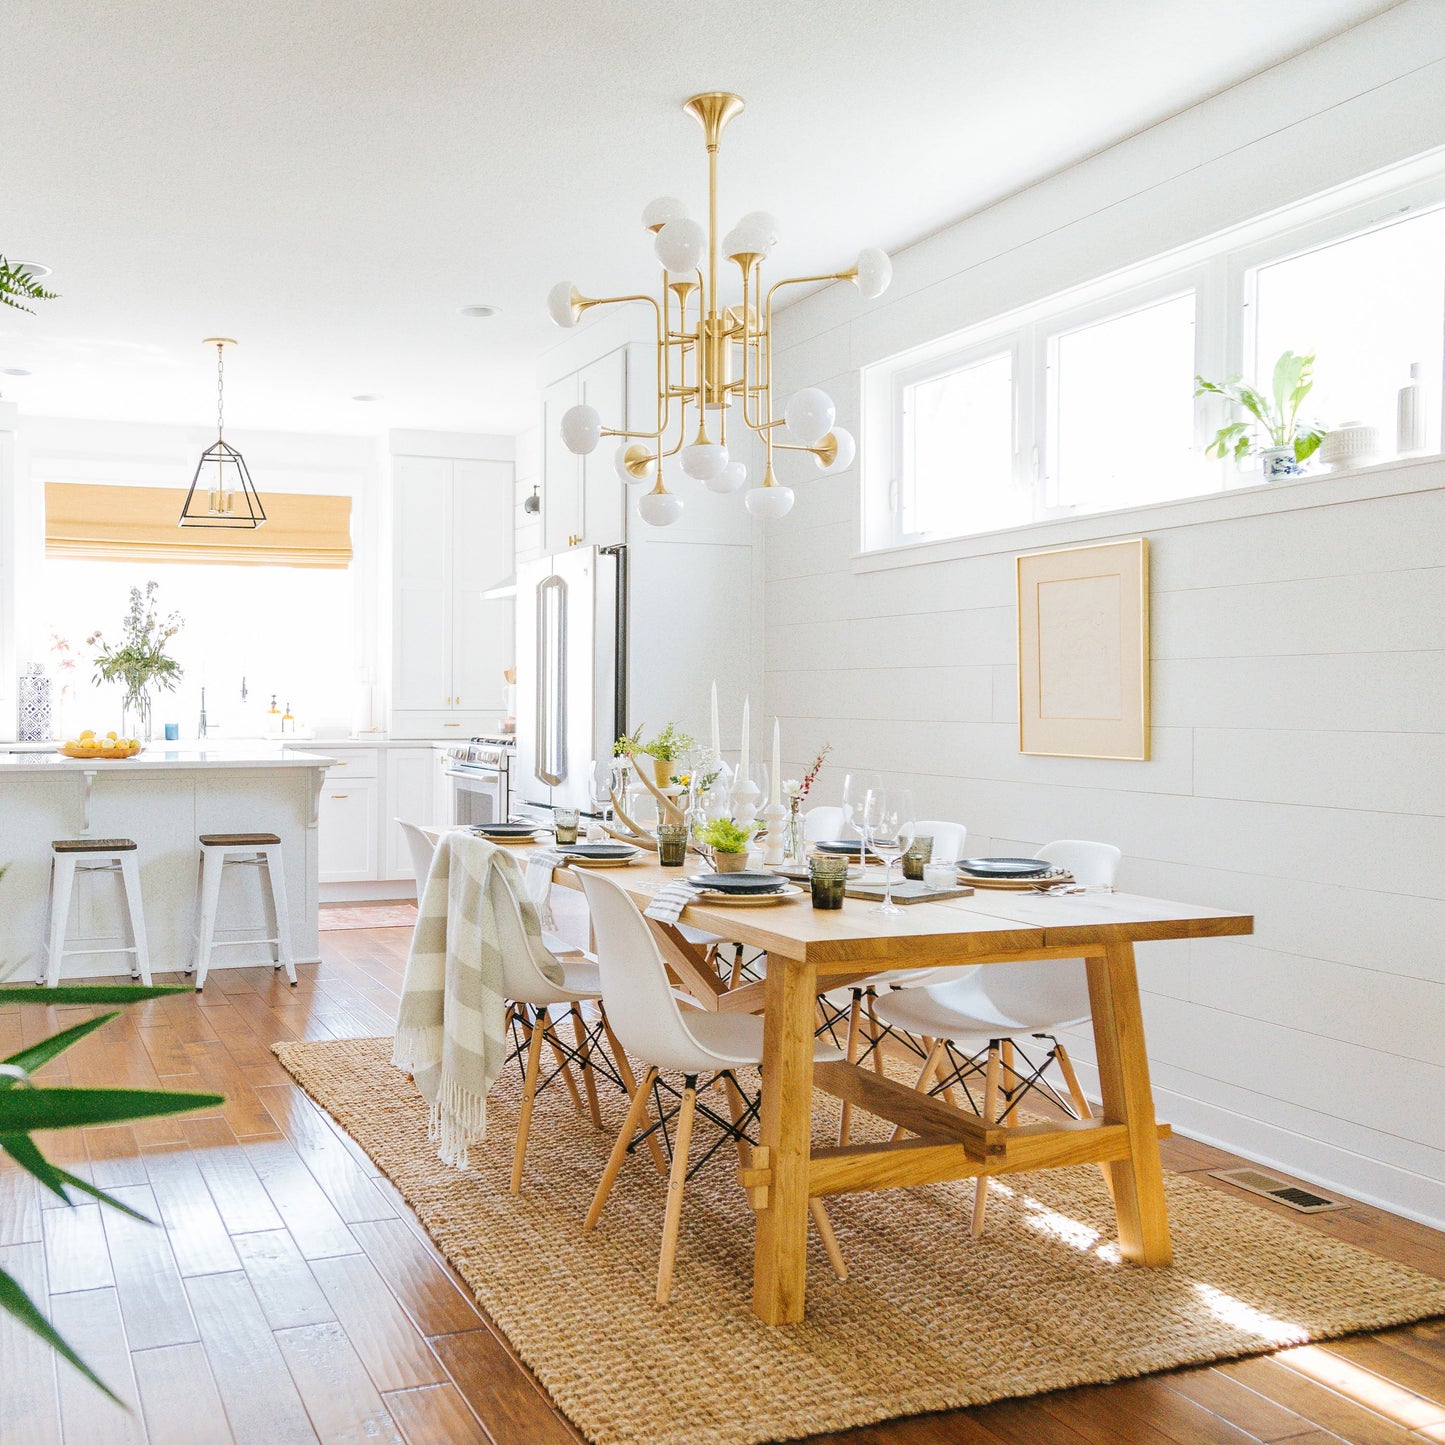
x=451, y=1023
x=539, y=883
x=669, y=901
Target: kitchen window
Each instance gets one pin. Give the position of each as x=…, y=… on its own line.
x=1084, y=402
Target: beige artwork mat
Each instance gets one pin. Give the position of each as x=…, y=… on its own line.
x=1083, y=617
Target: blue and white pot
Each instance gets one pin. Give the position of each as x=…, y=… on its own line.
x=1277, y=462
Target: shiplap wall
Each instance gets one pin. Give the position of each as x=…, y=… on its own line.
x=1298, y=686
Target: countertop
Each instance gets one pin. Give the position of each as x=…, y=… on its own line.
x=161, y=759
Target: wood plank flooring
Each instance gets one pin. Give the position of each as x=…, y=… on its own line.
x=292, y=1297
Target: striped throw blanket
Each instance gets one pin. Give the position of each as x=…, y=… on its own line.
x=451, y=1026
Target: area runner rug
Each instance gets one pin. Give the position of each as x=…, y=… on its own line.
x=928, y=1319
x=333, y=916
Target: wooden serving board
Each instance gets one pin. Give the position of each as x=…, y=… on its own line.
x=909, y=891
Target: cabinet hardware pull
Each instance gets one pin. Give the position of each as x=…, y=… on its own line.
x=337, y=797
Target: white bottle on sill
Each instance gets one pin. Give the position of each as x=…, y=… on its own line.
x=1409, y=418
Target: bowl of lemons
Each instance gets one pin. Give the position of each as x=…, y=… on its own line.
x=108, y=746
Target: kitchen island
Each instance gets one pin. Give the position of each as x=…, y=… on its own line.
x=164, y=798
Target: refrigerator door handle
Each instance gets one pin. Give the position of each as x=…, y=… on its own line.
x=551, y=763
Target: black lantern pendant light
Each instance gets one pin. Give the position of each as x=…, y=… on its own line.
x=226, y=496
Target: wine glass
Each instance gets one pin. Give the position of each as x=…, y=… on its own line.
x=599, y=787
x=888, y=819
x=856, y=787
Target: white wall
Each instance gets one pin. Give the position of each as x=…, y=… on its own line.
x=1298, y=682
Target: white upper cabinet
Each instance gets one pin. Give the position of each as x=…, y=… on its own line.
x=583, y=502
x=452, y=533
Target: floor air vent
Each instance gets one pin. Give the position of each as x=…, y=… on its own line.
x=1306, y=1201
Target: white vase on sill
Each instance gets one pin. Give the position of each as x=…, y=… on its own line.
x=1279, y=463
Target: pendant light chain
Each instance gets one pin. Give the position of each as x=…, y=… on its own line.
x=220, y=389
x=227, y=493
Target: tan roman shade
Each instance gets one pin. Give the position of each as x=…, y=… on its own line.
x=117, y=524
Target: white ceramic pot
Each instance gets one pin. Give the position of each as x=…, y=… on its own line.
x=1351, y=444
x=1278, y=462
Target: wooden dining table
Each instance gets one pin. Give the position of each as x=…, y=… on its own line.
x=811, y=951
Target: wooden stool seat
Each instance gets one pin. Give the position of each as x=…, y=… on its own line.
x=93, y=845
x=238, y=840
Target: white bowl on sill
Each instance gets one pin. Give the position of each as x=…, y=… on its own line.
x=1350, y=445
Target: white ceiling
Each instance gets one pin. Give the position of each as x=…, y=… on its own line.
x=329, y=180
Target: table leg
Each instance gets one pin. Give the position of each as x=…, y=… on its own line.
x=780, y=1261
x=1138, y=1181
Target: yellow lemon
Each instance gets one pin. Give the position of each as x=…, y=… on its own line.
x=111, y=736
x=91, y=744
x=134, y=745
x=88, y=733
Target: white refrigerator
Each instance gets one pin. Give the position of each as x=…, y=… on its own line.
x=616, y=637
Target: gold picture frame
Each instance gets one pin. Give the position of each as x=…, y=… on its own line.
x=1083, y=651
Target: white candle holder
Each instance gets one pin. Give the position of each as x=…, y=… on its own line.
x=776, y=848
x=745, y=795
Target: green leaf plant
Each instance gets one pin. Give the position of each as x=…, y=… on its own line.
x=28, y=1104
x=722, y=835
x=17, y=280
x=1276, y=416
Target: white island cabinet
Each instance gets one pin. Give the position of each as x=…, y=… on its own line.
x=164, y=799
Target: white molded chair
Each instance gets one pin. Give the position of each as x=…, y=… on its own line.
x=533, y=1000
x=421, y=843
x=648, y=1021
x=988, y=1009
x=822, y=824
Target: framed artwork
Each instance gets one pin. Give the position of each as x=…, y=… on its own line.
x=1084, y=651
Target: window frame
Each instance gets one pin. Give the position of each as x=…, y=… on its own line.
x=1222, y=271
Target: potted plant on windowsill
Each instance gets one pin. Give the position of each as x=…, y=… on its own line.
x=729, y=843
x=1287, y=442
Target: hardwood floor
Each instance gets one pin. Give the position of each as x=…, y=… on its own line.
x=291, y=1296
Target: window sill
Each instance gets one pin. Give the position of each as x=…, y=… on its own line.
x=1385, y=479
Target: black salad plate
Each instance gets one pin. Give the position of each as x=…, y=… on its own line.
x=507, y=830
x=840, y=845
x=739, y=882
x=597, y=850
x=1004, y=867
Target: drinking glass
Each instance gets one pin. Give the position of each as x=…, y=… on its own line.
x=599, y=787
x=856, y=787
x=672, y=844
x=564, y=824
x=828, y=878
x=888, y=820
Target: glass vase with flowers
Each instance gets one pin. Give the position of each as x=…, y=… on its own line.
x=139, y=662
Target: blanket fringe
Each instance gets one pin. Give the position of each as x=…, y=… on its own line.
x=415, y=1045
x=457, y=1119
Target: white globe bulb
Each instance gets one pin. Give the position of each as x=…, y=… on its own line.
x=581, y=429
x=732, y=477
x=656, y=214
x=659, y=509
x=770, y=503
x=560, y=304
x=621, y=460
x=745, y=240
x=679, y=245
x=844, y=450
x=875, y=271
x=809, y=415
x=702, y=461
x=764, y=221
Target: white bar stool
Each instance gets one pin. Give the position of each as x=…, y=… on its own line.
x=69, y=856
x=252, y=850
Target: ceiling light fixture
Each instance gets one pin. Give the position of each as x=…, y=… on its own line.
x=228, y=487
x=36, y=271
x=720, y=357
x=13, y=371
x=367, y=396
x=480, y=310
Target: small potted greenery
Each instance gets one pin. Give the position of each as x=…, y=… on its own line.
x=1290, y=442
x=729, y=843
x=666, y=750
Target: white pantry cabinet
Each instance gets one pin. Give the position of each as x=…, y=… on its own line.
x=347, y=832
x=583, y=502
x=410, y=795
x=452, y=542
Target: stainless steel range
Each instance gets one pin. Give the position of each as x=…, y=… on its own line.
x=479, y=780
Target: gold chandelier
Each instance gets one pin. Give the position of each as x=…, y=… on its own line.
x=713, y=357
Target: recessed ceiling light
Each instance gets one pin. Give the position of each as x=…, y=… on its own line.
x=13, y=371
x=36, y=270
x=479, y=310
x=366, y=396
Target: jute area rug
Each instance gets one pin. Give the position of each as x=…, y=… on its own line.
x=929, y=1318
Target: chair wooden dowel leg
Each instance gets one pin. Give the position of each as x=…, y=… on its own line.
x=855, y=1010
x=675, y=1183
x=737, y=1107
x=925, y=1077
x=562, y=1065
x=875, y=1035
x=529, y=1094
x=1081, y=1104
x=619, y=1057
x=990, y=1113
x=824, y=1226
x=635, y=1114
x=579, y=1032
